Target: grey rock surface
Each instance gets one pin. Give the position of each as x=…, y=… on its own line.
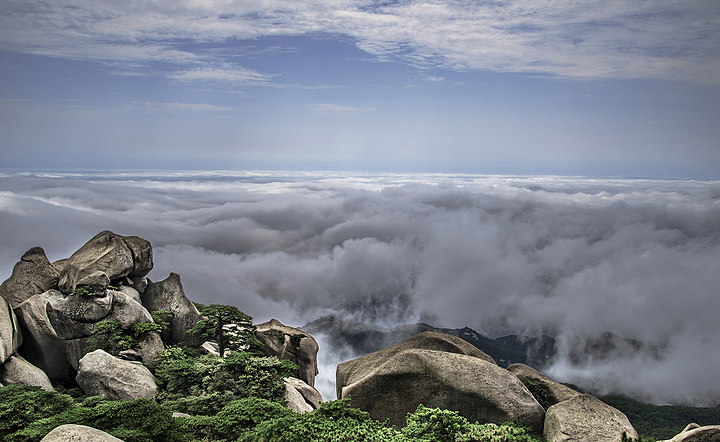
x=546, y=391
x=168, y=295
x=78, y=433
x=114, y=255
x=586, y=418
x=17, y=370
x=10, y=333
x=391, y=384
x=285, y=342
x=32, y=275
x=101, y=374
x=696, y=433
x=41, y=345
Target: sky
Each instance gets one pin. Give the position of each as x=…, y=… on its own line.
x=568, y=257
x=601, y=88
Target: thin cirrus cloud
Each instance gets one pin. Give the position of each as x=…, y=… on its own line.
x=593, y=39
x=201, y=107
x=224, y=73
x=338, y=109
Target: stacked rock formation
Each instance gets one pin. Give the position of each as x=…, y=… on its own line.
x=49, y=311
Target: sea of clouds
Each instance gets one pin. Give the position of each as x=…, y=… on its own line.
x=568, y=257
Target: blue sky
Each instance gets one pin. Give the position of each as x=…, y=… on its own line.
x=625, y=88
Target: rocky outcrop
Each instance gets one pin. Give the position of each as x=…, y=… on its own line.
x=101, y=374
x=78, y=433
x=586, y=418
x=696, y=433
x=17, y=370
x=546, y=391
x=300, y=396
x=168, y=295
x=291, y=344
x=114, y=255
x=438, y=371
x=10, y=334
x=41, y=345
x=33, y=274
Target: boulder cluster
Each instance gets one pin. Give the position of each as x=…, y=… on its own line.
x=48, y=312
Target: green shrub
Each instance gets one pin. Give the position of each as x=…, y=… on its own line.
x=111, y=337
x=137, y=420
x=21, y=405
x=205, y=384
x=235, y=419
x=432, y=424
x=333, y=421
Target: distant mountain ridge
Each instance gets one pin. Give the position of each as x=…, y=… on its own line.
x=357, y=338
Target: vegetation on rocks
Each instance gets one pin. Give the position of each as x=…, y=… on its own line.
x=111, y=337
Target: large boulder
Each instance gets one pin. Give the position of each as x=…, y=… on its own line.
x=17, y=370
x=78, y=433
x=393, y=382
x=75, y=315
x=300, y=396
x=696, y=433
x=101, y=374
x=291, y=344
x=114, y=255
x=10, y=334
x=168, y=295
x=585, y=417
x=347, y=371
x=41, y=345
x=32, y=275
x=546, y=391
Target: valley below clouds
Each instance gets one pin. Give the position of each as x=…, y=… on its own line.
x=572, y=258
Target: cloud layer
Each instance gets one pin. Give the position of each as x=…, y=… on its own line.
x=592, y=39
x=569, y=257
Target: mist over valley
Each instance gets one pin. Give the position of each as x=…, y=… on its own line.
x=621, y=274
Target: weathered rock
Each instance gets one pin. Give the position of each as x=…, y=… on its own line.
x=10, y=333
x=356, y=368
x=586, y=418
x=97, y=281
x=140, y=284
x=127, y=311
x=210, y=348
x=309, y=395
x=295, y=401
x=696, y=433
x=396, y=384
x=150, y=346
x=32, y=275
x=291, y=344
x=114, y=255
x=78, y=433
x=41, y=345
x=102, y=374
x=546, y=391
x=17, y=370
x=168, y=295
x=84, y=307
x=75, y=316
x=130, y=292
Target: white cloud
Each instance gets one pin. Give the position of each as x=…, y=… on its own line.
x=338, y=109
x=224, y=73
x=571, y=257
x=188, y=106
x=591, y=39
